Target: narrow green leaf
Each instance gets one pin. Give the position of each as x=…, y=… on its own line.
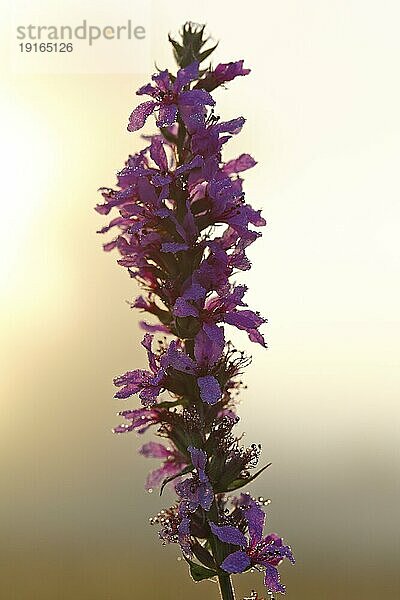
x=203, y=555
x=178, y=47
x=207, y=53
x=186, y=470
x=198, y=572
x=238, y=483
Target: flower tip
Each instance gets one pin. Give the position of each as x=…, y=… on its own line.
x=119, y=429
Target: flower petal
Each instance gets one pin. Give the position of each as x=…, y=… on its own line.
x=229, y=534
x=233, y=126
x=210, y=390
x=186, y=75
x=271, y=580
x=196, y=98
x=209, y=344
x=177, y=359
x=199, y=458
x=255, y=518
x=183, y=308
x=162, y=80
x=174, y=247
x=237, y=165
x=257, y=337
x=157, y=153
x=154, y=450
x=228, y=71
x=167, y=115
x=237, y=562
x=244, y=319
x=184, y=536
x=140, y=114
x=147, y=89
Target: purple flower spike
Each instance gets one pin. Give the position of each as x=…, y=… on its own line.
x=181, y=226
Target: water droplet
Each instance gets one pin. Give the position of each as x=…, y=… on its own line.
x=150, y=490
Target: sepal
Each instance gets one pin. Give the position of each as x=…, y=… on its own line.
x=190, y=48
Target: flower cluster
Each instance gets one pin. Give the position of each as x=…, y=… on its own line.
x=183, y=228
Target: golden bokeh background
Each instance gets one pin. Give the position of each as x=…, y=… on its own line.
x=322, y=108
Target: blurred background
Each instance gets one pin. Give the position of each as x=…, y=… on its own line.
x=322, y=108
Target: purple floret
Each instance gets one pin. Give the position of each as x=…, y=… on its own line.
x=148, y=384
x=196, y=491
x=267, y=552
x=173, y=463
x=170, y=98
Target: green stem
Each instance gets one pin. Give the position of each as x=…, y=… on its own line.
x=181, y=140
x=224, y=579
x=225, y=586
